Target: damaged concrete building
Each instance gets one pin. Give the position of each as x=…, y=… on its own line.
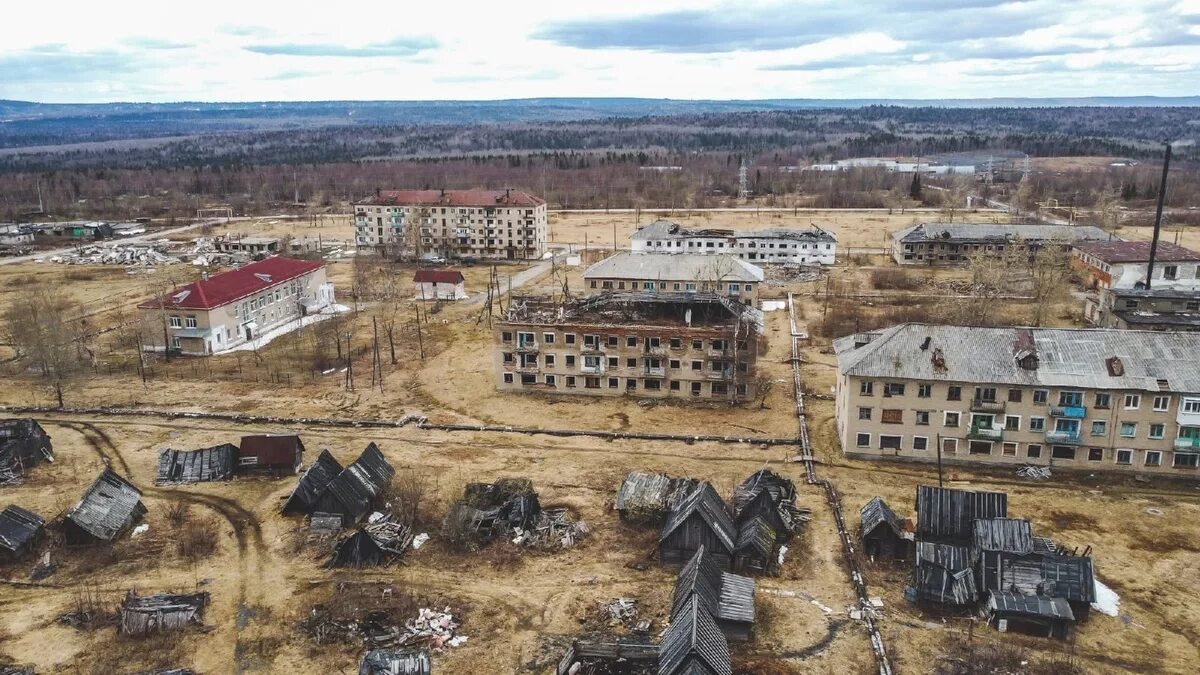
x=680, y=273
x=805, y=246
x=107, y=510
x=23, y=445
x=649, y=345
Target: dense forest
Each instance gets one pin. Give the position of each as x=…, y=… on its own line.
x=680, y=160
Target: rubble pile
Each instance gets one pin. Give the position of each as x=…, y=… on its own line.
x=623, y=612
x=130, y=254
x=1032, y=472
x=509, y=508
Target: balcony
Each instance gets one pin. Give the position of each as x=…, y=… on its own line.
x=1070, y=412
x=719, y=353
x=527, y=368
x=981, y=406
x=529, y=347
x=1187, y=419
x=1187, y=443
x=1058, y=436
x=717, y=374
x=982, y=432
x=592, y=370
x=654, y=372
x=656, y=351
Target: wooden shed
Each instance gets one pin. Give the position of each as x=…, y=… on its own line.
x=279, y=455
x=700, y=520
x=881, y=532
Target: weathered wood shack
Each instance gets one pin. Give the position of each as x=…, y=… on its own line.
x=701, y=520
x=947, y=514
x=196, y=466
x=647, y=498
x=881, y=532
x=1033, y=614
x=141, y=615
x=19, y=530
x=23, y=445
x=352, y=493
x=942, y=575
x=693, y=644
x=109, y=507
x=728, y=598
x=312, y=484
x=278, y=455
x=396, y=662
x=613, y=656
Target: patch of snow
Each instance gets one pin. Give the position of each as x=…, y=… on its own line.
x=773, y=305
x=265, y=338
x=1107, y=600
x=419, y=540
x=139, y=530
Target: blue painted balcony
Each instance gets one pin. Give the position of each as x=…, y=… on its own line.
x=1070, y=412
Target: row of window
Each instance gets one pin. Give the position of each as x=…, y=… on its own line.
x=650, y=363
x=528, y=340
x=951, y=419
x=1066, y=399
x=628, y=384
x=288, y=290
x=951, y=446
x=676, y=243
x=687, y=286
x=452, y=210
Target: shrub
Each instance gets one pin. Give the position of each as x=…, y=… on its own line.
x=895, y=279
x=197, y=538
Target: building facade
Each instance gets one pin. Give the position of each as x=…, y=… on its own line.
x=506, y=224
x=439, y=285
x=1144, y=309
x=1089, y=399
x=1124, y=264
x=680, y=273
x=683, y=345
x=811, y=246
x=229, y=309
x=940, y=244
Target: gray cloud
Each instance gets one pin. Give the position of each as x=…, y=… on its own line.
x=52, y=63
x=155, y=43
x=401, y=46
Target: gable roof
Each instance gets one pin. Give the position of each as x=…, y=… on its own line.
x=700, y=577
x=693, y=634
x=1067, y=357
x=358, y=484
x=999, y=232
x=949, y=513
x=758, y=535
x=312, y=484
x=875, y=513
x=426, y=276
x=227, y=287
x=943, y=574
x=1137, y=252
x=18, y=527
x=108, y=506
x=705, y=502
x=674, y=267
x=477, y=198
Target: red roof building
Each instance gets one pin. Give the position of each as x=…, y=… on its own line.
x=451, y=277
x=439, y=285
x=234, y=285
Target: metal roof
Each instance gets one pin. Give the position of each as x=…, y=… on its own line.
x=471, y=198
x=358, y=484
x=707, y=503
x=947, y=513
x=1137, y=252
x=674, y=267
x=999, y=233
x=1066, y=357
x=18, y=527
x=1011, y=535
x=693, y=644
x=194, y=466
x=312, y=484
x=1030, y=605
x=667, y=229
x=226, y=287
x=109, y=506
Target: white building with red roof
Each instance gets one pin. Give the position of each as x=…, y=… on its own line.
x=507, y=224
x=439, y=285
x=222, y=312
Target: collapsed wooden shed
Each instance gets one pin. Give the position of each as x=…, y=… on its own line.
x=141, y=615
x=609, y=656
x=396, y=662
x=1034, y=614
x=351, y=494
x=647, y=498
x=312, y=484
x=23, y=445
x=197, y=466
x=948, y=514
x=19, y=530
x=110, y=506
x=942, y=575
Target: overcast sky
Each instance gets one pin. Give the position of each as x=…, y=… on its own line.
x=223, y=50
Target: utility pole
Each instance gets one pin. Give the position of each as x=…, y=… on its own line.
x=1162, y=195
x=420, y=339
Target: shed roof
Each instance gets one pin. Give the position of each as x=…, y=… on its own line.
x=193, y=466
x=1067, y=357
x=1039, y=606
x=222, y=289
x=705, y=502
x=674, y=267
x=943, y=574
x=948, y=513
x=312, y=484
x=1011, y=535
x=18, y=527
x=108, y=506
x=1070, y=577
x=396, y=662
x=655, y=491
x=667, y=229
x=758, y=535
x=693, y=634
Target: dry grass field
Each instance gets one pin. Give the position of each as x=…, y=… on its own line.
x=520, y=610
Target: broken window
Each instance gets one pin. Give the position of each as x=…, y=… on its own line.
x=695, y=389
x=508, y=357
x=866, y=388
x=675, y=364
x=987, y=394
x=630, y=383
x=893, y=389
x=951, y=419
x=613, y=383
x=549, y=360
x=631, y=363
x=612, y=362
x=570, y=360
x=892, y=416
x=1062, y=452
x=1072, y=399
x=1033, y=451
x=1041, y=396
x=631, y=341
x=591, y=383
x=550, y=380
x=890, y=442
x=592, y=341
x=924, y=390
x=697, y=365
x=920, y=443
x=676, y=343
x=923, y=417
x=526, y=340
x=697, y=344
x=528, y=379
x=651, y=384
x=569, y=338
x=508, y=378
x=1153, y=458
x=950, y=445
x=675, y=385
x=1124, y=457
x=548, y=338
x=718, y=345
x=570, y=380
x=719, y=389
x=612, y=341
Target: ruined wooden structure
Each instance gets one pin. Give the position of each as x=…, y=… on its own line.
x=700, y=521
x=142, y=615
x=23, y=445
x=197, y=466
x=881, y=532
x=277, y=455
x=108, y=509
x=19, y=531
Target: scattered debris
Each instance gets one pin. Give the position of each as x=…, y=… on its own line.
x=23, y=445
x=381, y=542
x=1034, y=472
x=395, y=662
x=19, y=530
x=1154, y=511
x=509, y=508
x=1107, y=601
x=647, y=498
x=619, y=612
x=419, y=540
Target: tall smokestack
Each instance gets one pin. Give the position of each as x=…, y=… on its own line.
x=1162, y=195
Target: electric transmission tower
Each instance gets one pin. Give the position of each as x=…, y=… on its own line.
x=743, y=181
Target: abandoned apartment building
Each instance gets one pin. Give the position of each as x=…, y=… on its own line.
x=237, y=243
x=1161, y=309
x=507, y=224
x=775, y=245
x=938, y=244
x=217, y=313
x=681, y=273
x=661, y=344
x=1125, y=264
x=1092, y=399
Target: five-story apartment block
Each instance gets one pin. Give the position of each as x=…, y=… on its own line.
x=1081, y=398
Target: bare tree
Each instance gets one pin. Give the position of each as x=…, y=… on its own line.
x=763, y=385
x=43, y=325
x=1049, y=271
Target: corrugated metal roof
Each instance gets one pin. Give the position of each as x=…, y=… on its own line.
x=194, y=466
x=1137, y=251
x=109, y=506
x=693, y=635
x=1011, y=535
x=227, y=287
x=947, y=513
x=674, y=267
x=272, y=449
x=1066, y=357
x=18, y=527
x=1030, y=605
x=999, y=232
x=706, y=502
